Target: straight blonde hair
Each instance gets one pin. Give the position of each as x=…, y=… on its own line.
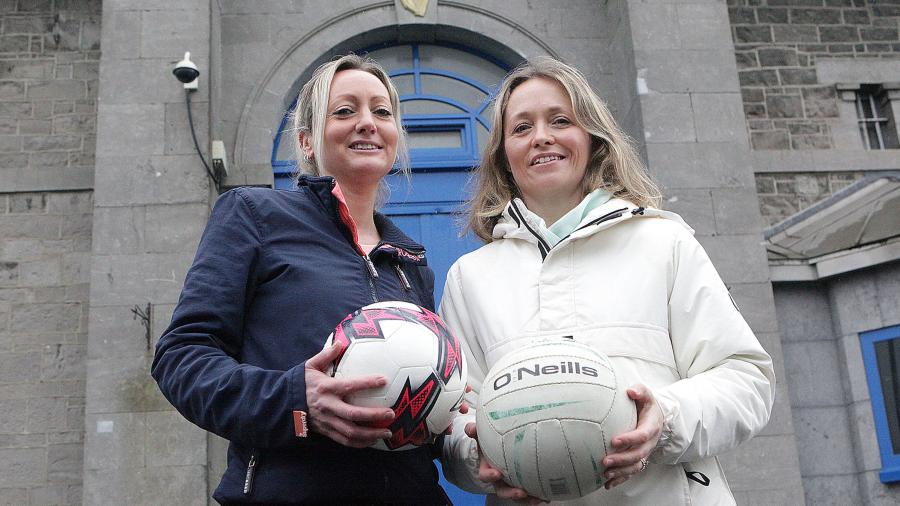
x=312, y=110
x=614, y=164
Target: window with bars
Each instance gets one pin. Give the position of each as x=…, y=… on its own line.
x=877, y=124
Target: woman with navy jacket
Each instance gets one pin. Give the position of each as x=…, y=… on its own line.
x=274, y=273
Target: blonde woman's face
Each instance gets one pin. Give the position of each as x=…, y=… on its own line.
x=360, y=135
x=546, y=149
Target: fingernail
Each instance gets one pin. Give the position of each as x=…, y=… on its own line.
x=386, y=435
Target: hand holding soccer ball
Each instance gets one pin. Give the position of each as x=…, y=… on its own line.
x=402, y=360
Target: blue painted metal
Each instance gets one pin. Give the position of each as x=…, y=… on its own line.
x=890, y=461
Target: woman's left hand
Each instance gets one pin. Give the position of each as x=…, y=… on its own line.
x=632, y=448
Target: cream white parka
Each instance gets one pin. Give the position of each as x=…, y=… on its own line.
x=636, y=285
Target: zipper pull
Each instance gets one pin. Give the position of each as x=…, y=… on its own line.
x=403, y=278
x=370, y=266
x=251, y=471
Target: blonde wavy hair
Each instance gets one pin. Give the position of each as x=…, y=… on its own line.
x=312, y=109
x=614, y=164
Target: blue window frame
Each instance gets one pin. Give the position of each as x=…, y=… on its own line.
x=881, y=356
x=462, y=115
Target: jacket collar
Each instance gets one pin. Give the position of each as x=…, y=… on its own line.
x=393, y=241
x=517, y=222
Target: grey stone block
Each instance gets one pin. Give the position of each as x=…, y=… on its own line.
x=699, y=165
x=135, y=279
x=758, y=497
x=62, y=362
x=12, y=495
x=668, y=118
x=738, y=258
x=718, y=117
x=119, y=230
x=736, y=211
x=40, y=273
x=114, y=441
x=19, y=367
x=12, y=416
x=838, y=33
x=120, y=332
x=876, y=493
x=888, y=286
x=703, y=25
x=804, y=312
x=46, y=414
x=813, y=374
x=784, y=106
x=144, y=82
x=22, y=467
x=26, y=69
x=183, y=485
x=752, y=34
x=70, y=202
x=57, y=89
x=824, y=435
x=64, y=462
x=780, y=472
x=49, y=160
x=167, y=33
x=150, y=180
x=173, y=441
x=794, y=33
x=832, y=490
x=9, y=143
x=162, y=238
x=854, y=300
x=35, y=318
x=49, y=494
x=694, y=205
x=756, y=305
x=138, y=126
x=688, y=71
x=178, y=138
x=125, y=382
x=864, y=436
x=51, y=142
x=652, y=26
x=37, y=126
x=776, y=139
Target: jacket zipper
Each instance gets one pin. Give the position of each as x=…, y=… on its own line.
x=403, y=279
x=251, y=472
x=606, y=217
x=373, y=275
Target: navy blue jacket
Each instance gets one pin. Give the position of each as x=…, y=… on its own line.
x=274, y=273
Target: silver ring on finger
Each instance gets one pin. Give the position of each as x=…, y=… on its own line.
x=644, y=464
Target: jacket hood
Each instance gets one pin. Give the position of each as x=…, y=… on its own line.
x=518, y=222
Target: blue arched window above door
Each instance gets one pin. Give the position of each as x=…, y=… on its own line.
x=445, y=95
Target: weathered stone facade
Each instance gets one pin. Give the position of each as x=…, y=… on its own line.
x=49, y=66
x=777, y=44
x=784, y=194
x=731, y=111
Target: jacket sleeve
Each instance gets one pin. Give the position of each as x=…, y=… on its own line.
x=460, y=453
x=197, y=361
x=728, y=383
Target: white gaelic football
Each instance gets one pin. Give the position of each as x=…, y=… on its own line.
x=546, y=415
x=419, y=356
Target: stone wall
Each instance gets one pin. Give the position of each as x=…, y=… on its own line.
x=777, y=44
x=45, y=248
x=784, y=194
x=49, y=61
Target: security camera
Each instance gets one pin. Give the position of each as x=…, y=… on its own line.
x=186, y=72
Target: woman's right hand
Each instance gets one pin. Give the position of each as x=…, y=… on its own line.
x=490, y=474
x=331, y=416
